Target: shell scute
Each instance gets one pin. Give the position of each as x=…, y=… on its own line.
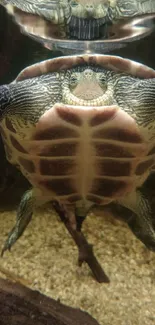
x=57, y=149
x=17, y=145
x=27, y=164
x=55, y=132
x=102, y=117
x=61, y=186
x=118, y=134
x=111, y=188
x=110, y=167
x=56, y=167
x=114, y=150
x=68, y=115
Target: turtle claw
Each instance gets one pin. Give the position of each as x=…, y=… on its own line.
x=9, y=243
x=5, y=248
x=12, y=238
x=16, y=232
x=24, y=216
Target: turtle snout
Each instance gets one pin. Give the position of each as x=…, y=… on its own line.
x=88, y=74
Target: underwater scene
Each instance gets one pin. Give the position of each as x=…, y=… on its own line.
x=77, y=167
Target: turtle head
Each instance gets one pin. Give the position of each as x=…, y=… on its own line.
x=86, y=86
x=89, y=8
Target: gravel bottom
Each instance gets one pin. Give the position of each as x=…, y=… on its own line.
x=45, y=258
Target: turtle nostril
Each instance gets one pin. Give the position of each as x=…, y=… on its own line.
x=88, y=73
x=89, y=6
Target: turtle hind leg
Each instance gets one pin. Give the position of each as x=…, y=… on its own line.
x=24, y=216
x=141, y=221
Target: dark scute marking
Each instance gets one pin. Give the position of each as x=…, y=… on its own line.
x=9, y=125
x=116, y=168
x=56, y=167
x=68, y=115
x=56, y=132
x=74, y=198
x=17, y=145
x=111, y=150
x=108, y=187
x=144, y=166
x=151, y=152
x=58, y=186
x=59, y=150
x=102, y=117
x=118, y=134
x=94, y=199
x=27, y=164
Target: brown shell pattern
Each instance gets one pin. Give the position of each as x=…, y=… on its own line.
x=69, y=163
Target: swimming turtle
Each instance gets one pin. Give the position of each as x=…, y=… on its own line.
x=85, y=19
x=81, y=130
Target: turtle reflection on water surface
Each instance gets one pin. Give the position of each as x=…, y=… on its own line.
x=85, y=19
x=60, y=10
x=81, y=130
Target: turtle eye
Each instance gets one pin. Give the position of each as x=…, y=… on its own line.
x=73, y=80
x=102, y=78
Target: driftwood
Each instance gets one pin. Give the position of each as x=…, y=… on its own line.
x=20, y=305
x=85, y=249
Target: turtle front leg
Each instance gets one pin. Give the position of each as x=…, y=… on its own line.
x=141, y=220
x=24, y=216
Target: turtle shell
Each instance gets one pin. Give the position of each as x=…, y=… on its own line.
x=109, y=62
x=82, y=153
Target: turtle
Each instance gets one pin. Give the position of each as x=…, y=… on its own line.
x=81, y=130
x=85, y=19
x=53, y=37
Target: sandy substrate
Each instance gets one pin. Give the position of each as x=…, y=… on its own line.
x=45, y=258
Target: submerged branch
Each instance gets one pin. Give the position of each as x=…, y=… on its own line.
x=86, y=253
